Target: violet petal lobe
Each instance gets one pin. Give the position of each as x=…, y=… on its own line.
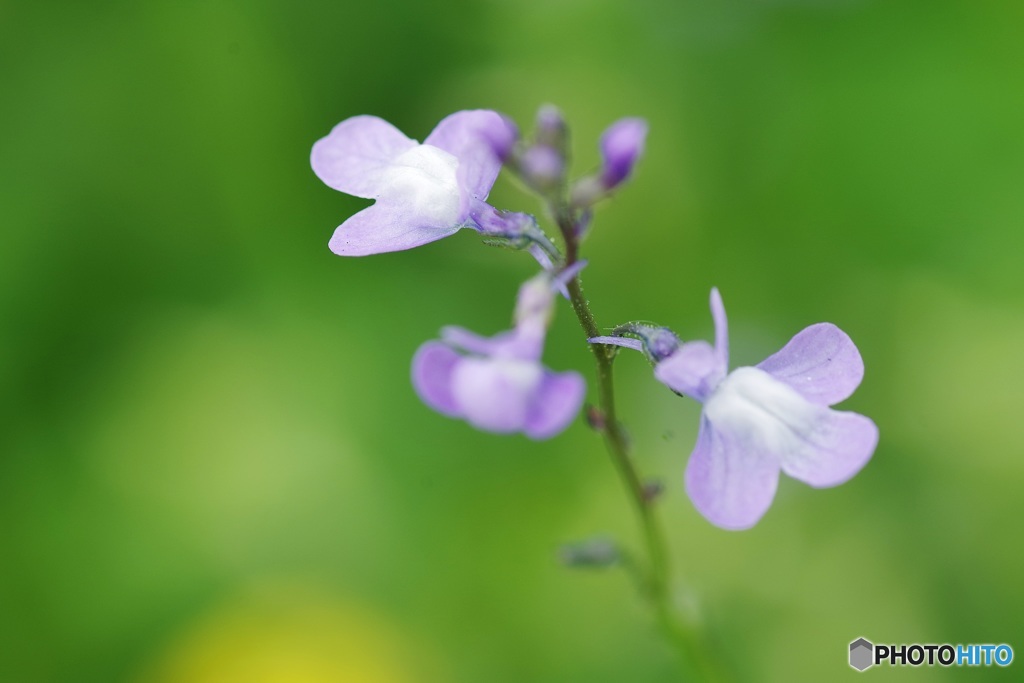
x=467, y=135
x=432, y=370
x=624, y=342
x=386, y=227
x=730, y=479
x=821, y=362
x=555, y=405
x=470, y=341
x=721, y=331
x=693, y=369
x=837, y=446
x=356, y=153
x=495, y=393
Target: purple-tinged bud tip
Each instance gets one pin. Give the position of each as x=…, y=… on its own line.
x=621, y=145
x=660, y=343
x=542, y=166
x=551, y=127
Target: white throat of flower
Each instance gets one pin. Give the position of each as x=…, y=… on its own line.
x=763, y=412
x=423, y=179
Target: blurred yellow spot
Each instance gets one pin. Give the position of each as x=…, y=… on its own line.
x=285, y=636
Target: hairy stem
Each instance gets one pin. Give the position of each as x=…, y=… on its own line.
x=654, y=581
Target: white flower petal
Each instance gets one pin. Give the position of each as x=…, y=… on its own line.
x=810, y=442
x=423, y=182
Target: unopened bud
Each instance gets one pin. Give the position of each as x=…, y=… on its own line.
x=542, y=166
x=660, y=343
x=652, y=488
x=621, y=145
x=552, y=130
x=595, y=417
x=593, y=553
x=587, y=191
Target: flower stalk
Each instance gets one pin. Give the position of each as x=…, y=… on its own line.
x=653, y=577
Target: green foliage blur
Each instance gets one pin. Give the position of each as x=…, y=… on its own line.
x=213, y=467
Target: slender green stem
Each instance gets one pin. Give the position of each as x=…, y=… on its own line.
x=655, y=585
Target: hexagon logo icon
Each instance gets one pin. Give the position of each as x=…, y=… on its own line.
x=861, y=654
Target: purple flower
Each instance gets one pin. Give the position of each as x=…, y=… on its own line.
x=759, y=420
x=621, y=145
x=498, y=383
x=424, y=191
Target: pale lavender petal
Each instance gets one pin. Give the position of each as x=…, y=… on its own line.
x=385, y=227
x=837, y=446
x=693, y=369
x=494, y=394
x=468, y=135
x=567, y=275
x=432, y=369
x=810, y=442
x=555, y=405
x=721, y=330
x=624, y=342
x=471, y=342
x=821, y=362
x=353, y=157
x=730, y=479
x=524, y=342
x=502, y=139
x=537, y=252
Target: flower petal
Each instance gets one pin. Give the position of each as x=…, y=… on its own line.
x=470, y=341
x=385, y=227
x=555, y=405
x=624, y=342
x=432, y=369
x=467, y=135
x=494, y=393
x=356, y=153
x=730, y=477
x=809, y=441
x=693, y=369
x=821, y=362
x=721, y=331
x=837, y=447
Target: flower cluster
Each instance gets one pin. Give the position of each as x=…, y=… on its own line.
x=756, y=421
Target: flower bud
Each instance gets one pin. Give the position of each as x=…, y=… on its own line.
x=652, y=489
x=660, y=343
x=587, y=191
x=621, y=145
x=595, y=553
x=542, y=167
x=552, y=131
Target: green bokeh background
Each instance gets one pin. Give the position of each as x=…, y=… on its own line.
x=212, y=464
